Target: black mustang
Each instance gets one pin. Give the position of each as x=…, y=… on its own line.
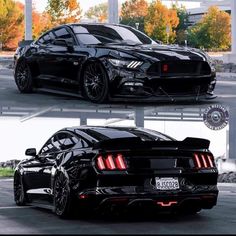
x=112, y=62
x=100, y=167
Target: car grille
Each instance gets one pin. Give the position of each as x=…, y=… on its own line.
x=177, y=68
x=178, y=86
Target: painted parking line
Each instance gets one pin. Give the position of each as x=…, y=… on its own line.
x=6, y=180
x=227, y=82
x=6, y=77
x=15, y=207
x=227, y=96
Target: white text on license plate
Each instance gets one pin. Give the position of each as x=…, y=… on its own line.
x=167, y=183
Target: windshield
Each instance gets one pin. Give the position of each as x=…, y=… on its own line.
x=110, y=34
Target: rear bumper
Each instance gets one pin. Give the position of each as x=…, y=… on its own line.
x=203, y=197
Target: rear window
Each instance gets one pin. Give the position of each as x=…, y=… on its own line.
x=112, y=133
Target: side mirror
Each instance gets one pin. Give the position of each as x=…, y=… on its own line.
x=64, y=43
x=31, y=152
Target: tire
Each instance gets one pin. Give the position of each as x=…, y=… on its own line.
x=23, y=78
x=19, y=190
x=62, y=199
x=95, y=83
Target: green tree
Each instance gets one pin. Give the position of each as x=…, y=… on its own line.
x=99, y=12
x=181, y=29
x=134, y=11
x=11, y=23
x=64, y=11
x=161, y=22
x=213, y=31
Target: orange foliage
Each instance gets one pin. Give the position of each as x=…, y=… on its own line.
x=134, y=8
x=41, y=23
x=12, y=29
x=159, y=19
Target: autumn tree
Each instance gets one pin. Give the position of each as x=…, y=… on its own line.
x=41, y=23
x=213, y=31
x=99, y=12
x=11, y=23
x=134, y=11
x=64, y=11
x=160, y=22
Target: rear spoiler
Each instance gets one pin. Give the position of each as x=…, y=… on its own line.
x=137, y=143
x=25, y=43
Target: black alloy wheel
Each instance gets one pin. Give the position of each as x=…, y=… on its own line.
x=62, y=197
x=19, y=191
x=95, y=83
x=23, y=78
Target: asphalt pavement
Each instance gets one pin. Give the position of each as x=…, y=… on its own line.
x=32, y=220
x=10, y=96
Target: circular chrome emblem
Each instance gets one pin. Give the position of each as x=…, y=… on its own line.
x=216, y=117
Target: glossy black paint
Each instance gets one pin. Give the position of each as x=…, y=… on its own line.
x=148, y=154
x=167, y=72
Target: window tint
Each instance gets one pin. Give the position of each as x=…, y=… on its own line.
x=91, y=39
x=49, y=148
x=109, y=33
x=52, y=36
x=63, y=141
x=111, y=133
x=46, y=38
x=64, y=34
x=149, y=135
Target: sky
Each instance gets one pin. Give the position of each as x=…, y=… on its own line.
x=18, y=136
x=86, y=4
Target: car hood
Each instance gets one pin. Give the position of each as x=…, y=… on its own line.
x=159, y=52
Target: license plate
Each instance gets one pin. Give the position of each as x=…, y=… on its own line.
x=167, y=183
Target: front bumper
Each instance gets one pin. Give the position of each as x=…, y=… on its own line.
x=130, y=85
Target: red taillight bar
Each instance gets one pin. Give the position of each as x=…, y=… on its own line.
x=111, y=162
x=197, y=160
x=100, y=163
x=210, y=161
x=120, y=162
x=167, y=204
x=203, y=160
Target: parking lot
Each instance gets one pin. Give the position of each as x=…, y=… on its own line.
x=10, y=96
x=32, y=220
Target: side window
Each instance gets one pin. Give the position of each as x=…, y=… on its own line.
x=63, y=141
x=66, y=141
x=48, y=147
x=64, y=34
x=46, y=39
x=81, y=144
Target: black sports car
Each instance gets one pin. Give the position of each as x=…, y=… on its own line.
x=112, y=62
x=100, y=167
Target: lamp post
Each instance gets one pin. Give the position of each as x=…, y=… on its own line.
x=28, y=19
x=113, y=16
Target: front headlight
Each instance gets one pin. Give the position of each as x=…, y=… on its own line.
x=124, y=63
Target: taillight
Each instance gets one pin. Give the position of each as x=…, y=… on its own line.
x=111, y=162
x=100, y=163
x=203, y=160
